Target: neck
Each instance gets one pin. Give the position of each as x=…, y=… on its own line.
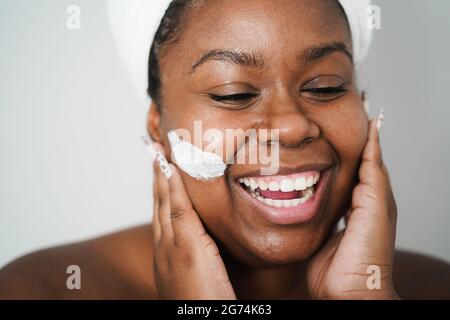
x=278, y=282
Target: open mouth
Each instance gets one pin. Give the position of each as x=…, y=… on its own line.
x=287, y=199
x=282, y=191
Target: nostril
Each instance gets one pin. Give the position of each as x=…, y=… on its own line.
x=307, y=140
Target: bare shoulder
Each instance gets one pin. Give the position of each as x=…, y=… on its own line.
x=115, y=266
x=419, y=276
x=120, y=266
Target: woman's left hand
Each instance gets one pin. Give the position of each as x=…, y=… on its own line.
x=357, y=263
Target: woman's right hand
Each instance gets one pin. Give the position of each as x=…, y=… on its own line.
x=187, y=262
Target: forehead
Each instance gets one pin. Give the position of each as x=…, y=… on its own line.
x=275, y=29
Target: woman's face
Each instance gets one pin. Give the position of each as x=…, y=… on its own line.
x=281, y=62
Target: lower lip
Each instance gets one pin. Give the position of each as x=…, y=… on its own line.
x=291, y=215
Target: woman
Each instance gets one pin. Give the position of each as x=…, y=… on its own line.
x=286, y=65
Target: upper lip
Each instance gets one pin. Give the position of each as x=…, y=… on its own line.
x=285, y=170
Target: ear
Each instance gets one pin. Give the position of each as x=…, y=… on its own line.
x=153, y=121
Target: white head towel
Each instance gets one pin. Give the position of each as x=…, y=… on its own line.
x=134, y=23
x=358, y=16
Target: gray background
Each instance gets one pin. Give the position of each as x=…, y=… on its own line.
x=72, y=166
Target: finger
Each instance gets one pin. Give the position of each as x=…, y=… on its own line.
x=371, y=197
x=347, y=216
x=371, y=169
x=371, y=190
x=187, y=226
x=163, y=193
x=156, y=227
x=372, y=151
x=390, y=195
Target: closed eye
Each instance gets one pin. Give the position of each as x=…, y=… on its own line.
x=324, y=94
x=233, y=98
x=326, y=90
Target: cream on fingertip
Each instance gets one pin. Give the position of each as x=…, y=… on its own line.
x=163, y=165
x=158, y=156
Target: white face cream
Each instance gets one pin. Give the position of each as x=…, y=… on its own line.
x=194, y=161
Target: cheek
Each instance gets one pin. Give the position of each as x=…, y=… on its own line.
x=347, y=133
x=350, y=140
x=210, y=199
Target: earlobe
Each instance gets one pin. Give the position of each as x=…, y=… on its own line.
x=153, y=121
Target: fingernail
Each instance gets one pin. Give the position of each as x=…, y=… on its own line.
x=164, y=165
x=366, y=105
x=158, y=156
x=380, y=119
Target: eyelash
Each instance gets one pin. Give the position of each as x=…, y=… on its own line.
x=326, y=90
x=233, y=98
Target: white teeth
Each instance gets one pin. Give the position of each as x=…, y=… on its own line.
x=316, y=177
x=285, y=203
x=308, y=194
x=310, y=181
x=263, y=185
x=273, y=186
x=302, y=200
x=278, y=203
x=253, y=184
x=300, y=184
x=287, y=185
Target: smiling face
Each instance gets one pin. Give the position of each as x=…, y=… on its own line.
x=260, y=64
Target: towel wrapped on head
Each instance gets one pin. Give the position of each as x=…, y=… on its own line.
x=357, y=16
x=134, y=23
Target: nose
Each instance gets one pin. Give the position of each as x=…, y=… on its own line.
x=295, y=128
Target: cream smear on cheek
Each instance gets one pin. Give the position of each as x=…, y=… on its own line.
x=195, y=162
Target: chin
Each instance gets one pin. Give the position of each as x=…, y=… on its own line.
x=274, y=249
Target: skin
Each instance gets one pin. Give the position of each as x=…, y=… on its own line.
x=216, y=247
x=279, y=106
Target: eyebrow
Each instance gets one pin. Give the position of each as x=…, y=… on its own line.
x=248, y=59
x=318, y=52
